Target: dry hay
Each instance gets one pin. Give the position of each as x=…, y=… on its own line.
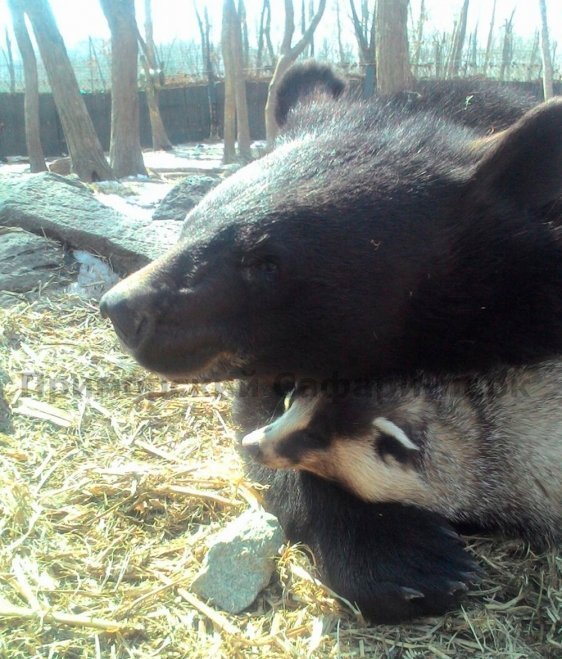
x=110, y=483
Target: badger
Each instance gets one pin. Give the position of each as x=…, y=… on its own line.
x=484, y=451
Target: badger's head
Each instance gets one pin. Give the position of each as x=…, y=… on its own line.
x=346, y=440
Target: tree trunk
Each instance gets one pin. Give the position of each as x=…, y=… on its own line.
x=232, y=53
x=341, y=52
x=393, y=62
x=533, y=58
x=204, y=32
x=439, y=50
x=259, y=54
x=94, y=55
x=287, y=55
x=311, y=47
x=267, y=34
x=242, y=121
x=152, y=72
x=546, y=57
x=473, y=59
x=458, y=43
x=283, y=64
x=419, y=38
x=365, y=38
x=507, y=49
x=229, y=124
x=244, y=35
x=490, y=40
x=125, y=154
x=264, y=38
x=86, y=153
x=31, y=101
x=9, y=56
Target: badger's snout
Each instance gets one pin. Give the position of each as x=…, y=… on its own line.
x=252, y=444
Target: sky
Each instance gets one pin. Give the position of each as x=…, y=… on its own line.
x=174, y=19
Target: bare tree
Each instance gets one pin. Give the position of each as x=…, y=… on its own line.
x=341, y=52
x=264, y=36
x=229, y=120
x=95, y=59
x=31, y=101
x=546, y=56
x=244, y=34
x=438, y=55
x=458, y=42
x=419, y=38
x=287, y=55
x=269, y=43
x=309, y=49
x=490, y=40
x=472, y=59
x=9, y=57
x=152, y=75
x=364, y=29
x=235, y=104
x=534, y=56
x=439, y=50
x=392, y=56
x=507, y=48
x=207, y=55
x=86, y=153
x=259, y=54
x=125, y=153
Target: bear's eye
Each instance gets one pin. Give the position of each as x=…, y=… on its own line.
x=258, y=267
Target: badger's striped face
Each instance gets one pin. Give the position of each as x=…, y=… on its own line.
x=290, y=442
x=377, y=463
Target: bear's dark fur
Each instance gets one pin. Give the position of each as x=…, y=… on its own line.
x=374, y=240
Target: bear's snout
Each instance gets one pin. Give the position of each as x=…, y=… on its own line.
x=131, y=325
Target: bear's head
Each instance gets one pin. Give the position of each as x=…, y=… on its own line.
x=371, y=240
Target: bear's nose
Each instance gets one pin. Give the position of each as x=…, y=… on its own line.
x=131, y=326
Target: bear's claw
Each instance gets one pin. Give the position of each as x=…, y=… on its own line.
x=410, y=593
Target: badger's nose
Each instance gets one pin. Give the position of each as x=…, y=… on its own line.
x=130, y=324
x=251, y=446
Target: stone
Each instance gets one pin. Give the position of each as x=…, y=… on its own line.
x=62, y=166
x=112, y=187
x=6, y=426
x=28, y=261
x=65, y=209
x=240, y=561
x=186, y=194
x=95, y=277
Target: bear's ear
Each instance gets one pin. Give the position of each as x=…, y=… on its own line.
x=524, y=162
x=302, y=80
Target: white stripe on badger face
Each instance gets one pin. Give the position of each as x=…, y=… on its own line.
x=390, y=428
x=356, y=464
x=296, y=418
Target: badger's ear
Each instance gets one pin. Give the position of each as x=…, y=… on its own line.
x=395, y=440
x=524, y=162
x=302, y=80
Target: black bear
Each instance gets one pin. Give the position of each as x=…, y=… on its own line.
x=377, y=239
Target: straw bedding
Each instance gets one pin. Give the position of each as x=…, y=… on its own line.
x=110, y=482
